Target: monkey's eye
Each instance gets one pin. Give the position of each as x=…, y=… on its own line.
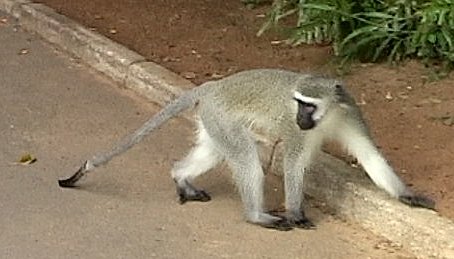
x=339, y=90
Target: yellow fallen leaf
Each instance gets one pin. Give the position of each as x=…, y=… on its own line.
x=23, y=52
x=27, y=159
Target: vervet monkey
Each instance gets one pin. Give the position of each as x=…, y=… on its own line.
x=301, y=110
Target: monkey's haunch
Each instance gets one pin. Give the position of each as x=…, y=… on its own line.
x=70, y=182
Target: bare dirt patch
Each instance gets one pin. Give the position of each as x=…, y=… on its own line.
x=410, y=116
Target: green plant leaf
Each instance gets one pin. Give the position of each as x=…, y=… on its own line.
x=322, y=7
x=448, y=37
x=376, y=15
x=393, y=53
x=379, y=50
x=358, y=32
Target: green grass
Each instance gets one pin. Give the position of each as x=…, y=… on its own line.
x=369, y=30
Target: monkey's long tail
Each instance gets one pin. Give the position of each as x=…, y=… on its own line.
x=185, y=101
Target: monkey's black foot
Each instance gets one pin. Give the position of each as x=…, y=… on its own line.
x=304, y=223
x=198, y=195
x=281, y=225
x=300, y=221
x=187, y=192
x=418, y=201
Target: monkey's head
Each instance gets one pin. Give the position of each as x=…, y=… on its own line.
x=315, y=96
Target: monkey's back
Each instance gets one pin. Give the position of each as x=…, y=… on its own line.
x=256, y=98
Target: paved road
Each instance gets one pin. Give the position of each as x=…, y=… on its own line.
x=61, y=112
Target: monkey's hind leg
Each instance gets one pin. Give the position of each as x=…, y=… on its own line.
x=200, y=159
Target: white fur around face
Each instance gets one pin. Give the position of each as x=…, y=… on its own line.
x=306, y=99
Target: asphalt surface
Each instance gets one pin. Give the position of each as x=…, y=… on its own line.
x=61, y=112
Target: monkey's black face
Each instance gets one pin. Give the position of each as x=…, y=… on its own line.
x=304, y=117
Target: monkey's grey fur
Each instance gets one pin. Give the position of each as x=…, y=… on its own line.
x=299, y=109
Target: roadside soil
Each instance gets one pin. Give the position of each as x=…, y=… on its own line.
x=411, y=116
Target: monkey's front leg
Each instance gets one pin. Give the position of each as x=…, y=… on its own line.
x=294, y=213
x=294, y=168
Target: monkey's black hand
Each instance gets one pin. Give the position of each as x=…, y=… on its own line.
x=418, y=201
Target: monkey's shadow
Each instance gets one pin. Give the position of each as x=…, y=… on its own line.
x=111, y=182
x=219, y=183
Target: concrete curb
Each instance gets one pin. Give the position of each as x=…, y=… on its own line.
x=117, y=62
x=342, y=188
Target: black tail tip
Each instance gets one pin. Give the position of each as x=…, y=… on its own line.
x=71, y=181
x=66, y=183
